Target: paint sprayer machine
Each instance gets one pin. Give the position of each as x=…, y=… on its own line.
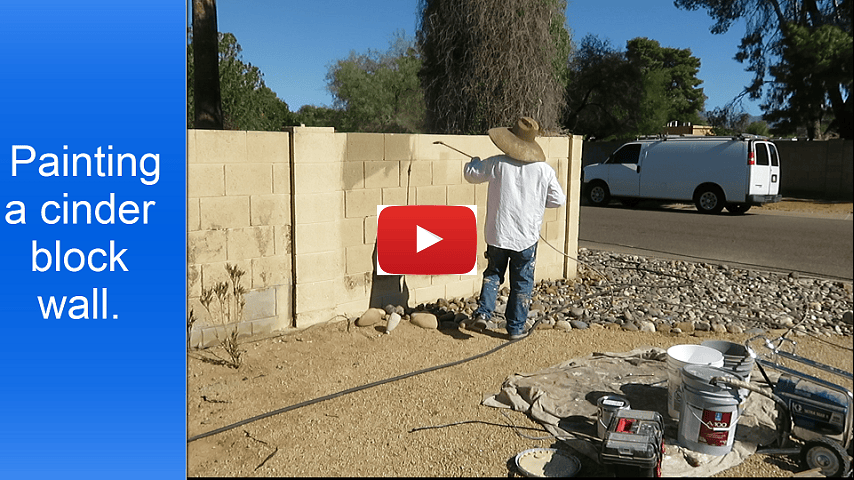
x=813, y=410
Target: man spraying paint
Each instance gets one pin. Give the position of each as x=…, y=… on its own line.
x=521, y=187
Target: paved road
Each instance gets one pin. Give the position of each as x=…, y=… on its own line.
x=788, y=242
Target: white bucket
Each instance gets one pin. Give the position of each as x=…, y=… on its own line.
x=736, y=359
x=709, y=412
x=679, y=356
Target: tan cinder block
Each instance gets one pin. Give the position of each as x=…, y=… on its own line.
x=264, y=147
x=251, y=242
x=550, y=215
x=318, y=177
x=418, y=281
x=461, y=194
x=416, y=173
x=191, y=146
x=352, y=287
x=359, y=259
x=314, y=296
x=220, y=146
x=361, y=203
x=447, y=172
x=318, y=237
x=428, y=294
x=354, y=175
x=269, y=210
x=371, y=229
x=319, y=207
x=205, y=180
x=317, y=267
x=398, y=146
x=224, y=212
x=382, y=174
x=193, y=219
x=206, y=246
x=352, y=231
x=249, y=179
x=394, y=196
x=433, y=195
x=364, y=146
x=271, y=271
x=284, y=306
x=282, y=239
x=194, y=281
x=353, y=308
x=463, y=288
x=556, y=146
x=213, y=273
x=314, y=317
x=318, y=145
x=281, y=178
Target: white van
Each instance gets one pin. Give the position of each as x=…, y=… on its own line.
x=712, y=172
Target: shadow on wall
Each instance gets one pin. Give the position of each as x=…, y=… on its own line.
x=387, y=289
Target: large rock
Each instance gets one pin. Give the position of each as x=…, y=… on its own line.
x=372, y=316
x=424, y=320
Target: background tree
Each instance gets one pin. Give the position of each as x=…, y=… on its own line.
x=247, y=103
x=208, y=109
x=779, y=33
x=614, y=94
x=603, y=95
x=379, y=91
x=671, y=72
x=485, y=63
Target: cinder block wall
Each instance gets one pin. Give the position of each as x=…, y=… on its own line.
x=239, y=212
x=297, y=209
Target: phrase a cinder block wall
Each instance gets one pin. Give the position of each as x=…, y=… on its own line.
x=298, y=209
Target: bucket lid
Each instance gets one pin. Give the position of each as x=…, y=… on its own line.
x=609, y=402
x=695, y=354
x=547, y=462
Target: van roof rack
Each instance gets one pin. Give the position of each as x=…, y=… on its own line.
x=665, y=137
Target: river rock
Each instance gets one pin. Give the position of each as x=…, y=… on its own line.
x=372, y=316
x=424, y=320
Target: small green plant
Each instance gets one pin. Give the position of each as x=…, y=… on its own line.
x=229, y=309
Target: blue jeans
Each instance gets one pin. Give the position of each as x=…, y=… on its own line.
x=521, y=285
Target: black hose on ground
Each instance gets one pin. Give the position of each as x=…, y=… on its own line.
x=355, y=389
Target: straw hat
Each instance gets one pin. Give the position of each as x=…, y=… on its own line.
x=518, y=141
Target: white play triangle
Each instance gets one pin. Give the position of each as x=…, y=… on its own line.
x=425, y=238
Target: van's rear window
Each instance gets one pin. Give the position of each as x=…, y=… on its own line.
x=761, y=154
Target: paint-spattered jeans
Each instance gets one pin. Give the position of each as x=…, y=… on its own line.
x=521, y=284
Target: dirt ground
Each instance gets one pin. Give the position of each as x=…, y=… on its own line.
x=380, y=430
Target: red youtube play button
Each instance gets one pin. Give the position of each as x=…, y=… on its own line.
x=427, y=240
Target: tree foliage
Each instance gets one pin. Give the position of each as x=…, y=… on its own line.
x=615, y=94
x=804, y=45
x=247, y=103
x=485, y=63
x=604, y=91
x=378, y=91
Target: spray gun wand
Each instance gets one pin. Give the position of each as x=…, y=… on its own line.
x=452, y=148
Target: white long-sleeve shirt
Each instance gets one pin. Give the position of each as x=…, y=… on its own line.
x=517, y=197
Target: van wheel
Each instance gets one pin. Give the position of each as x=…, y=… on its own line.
x=709, y=199
x=598, y=194
x=737, y=208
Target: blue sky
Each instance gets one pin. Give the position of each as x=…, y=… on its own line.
x=295, y=42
